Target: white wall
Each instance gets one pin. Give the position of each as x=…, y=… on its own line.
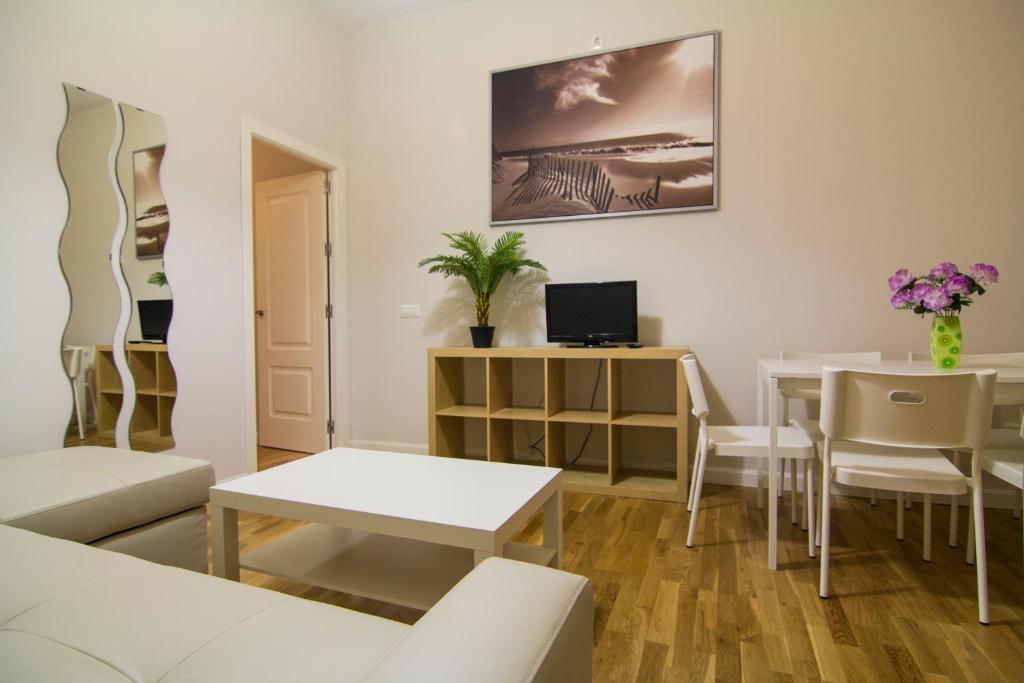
x=202, y=66
x=856, y=137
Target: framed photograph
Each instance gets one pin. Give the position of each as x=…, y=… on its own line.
x=152, y=223
x=615, y=133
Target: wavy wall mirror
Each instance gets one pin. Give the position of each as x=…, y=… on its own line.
x=111, y=252
x=84, y=158
x=150, y=307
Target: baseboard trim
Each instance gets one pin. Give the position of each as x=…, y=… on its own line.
x=1000, y=499
x=393, y=446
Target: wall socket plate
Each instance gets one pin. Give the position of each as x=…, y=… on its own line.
x=409, y=311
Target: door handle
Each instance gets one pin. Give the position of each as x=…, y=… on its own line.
x=260, y=312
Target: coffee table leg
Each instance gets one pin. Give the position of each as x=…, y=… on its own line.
x=553, y=526
x=225, y=542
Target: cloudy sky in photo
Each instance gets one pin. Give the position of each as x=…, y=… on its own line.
x=663, y=88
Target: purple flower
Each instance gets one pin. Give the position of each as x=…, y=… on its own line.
x=900, y=279
x=936, y=299
x=958, y=284
x=945, y=269
x=920, y=291
x=984, y=273
x=901, y=299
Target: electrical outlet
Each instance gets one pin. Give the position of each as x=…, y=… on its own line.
x=409, y=311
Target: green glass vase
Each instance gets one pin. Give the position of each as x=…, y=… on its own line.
x=946, y=341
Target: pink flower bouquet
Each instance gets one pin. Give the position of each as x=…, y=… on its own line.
x=943, y=291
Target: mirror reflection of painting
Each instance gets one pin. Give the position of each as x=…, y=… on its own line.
x=151, y=220
x=616, y=133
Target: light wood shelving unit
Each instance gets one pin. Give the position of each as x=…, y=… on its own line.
x=473, y=389
x=156, y=389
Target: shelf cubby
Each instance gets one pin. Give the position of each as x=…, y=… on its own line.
x=626, y=399
x=156, y=389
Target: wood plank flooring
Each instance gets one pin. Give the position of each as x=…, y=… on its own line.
x=668, y=613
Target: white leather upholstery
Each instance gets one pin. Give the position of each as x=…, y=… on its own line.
x=177, y=541
x=84, y=494
x=73, y=612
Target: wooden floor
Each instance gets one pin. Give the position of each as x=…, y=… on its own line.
x=666, y=612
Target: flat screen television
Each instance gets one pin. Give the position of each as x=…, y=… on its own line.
x=591, y=313
x=155, y=319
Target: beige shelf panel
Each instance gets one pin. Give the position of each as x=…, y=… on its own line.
x=454, y=373
x=463, y=411
x=581, y=416
x=519, y=414
x=639, y=419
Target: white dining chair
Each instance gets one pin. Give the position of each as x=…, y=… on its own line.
x=749, y=442
x=75, y=372
x=810, y=425
x=882, y=431
x=1002, y=438
x=1005, y=464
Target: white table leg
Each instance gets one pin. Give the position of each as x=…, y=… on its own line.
x=758, y=476
x=225, y=542
x=553, y=527
x=773, y=474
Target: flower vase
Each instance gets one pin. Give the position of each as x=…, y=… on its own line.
x=946, y=341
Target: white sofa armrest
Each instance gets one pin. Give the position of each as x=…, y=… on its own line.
x=505, y=621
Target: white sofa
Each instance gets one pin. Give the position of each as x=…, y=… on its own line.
x=150, y=505
x=70, y=612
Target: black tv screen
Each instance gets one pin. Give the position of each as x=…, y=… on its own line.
x=591, y=313
x=155, y=319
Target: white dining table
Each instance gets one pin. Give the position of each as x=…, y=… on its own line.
x=775, y=376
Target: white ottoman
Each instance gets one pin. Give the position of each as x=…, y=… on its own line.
x=150, y=505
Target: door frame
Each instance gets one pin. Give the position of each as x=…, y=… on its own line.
x=338, y=400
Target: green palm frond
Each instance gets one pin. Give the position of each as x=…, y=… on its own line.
x=482, y=268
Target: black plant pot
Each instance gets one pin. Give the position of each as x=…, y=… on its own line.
x=482, y=336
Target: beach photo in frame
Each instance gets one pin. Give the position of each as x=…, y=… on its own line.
x=629, y=131
x=152, y=222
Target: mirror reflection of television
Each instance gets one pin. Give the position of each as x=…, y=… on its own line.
x=591, y=313
x=155, y=319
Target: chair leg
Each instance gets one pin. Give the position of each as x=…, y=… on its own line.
x=693, y=478
x=970, y=532
x=760, y=483
x=954, y=509
x=874, y=497
x=981, y=561
x=699, y=479
x=927, y=527
x=781, y=482
x=805, y=470
x=76, y=390
x=826, y=516
x=812, y=548
x=821, y=503
x=899, y=515
x=793, y=518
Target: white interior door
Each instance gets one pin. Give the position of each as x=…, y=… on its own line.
x=290, y=225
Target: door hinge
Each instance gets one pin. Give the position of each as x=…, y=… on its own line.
x=327, y=186
x=328, y=249
x=330, y=426
x=329, y=311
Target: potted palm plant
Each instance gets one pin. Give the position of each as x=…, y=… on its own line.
x=483, y=270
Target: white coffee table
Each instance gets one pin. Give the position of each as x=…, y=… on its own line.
x=390, y=526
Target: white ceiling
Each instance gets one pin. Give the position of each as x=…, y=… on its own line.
x=350, y=13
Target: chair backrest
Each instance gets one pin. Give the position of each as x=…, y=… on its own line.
x=949, y=410
x=1013, y=359
x=697, y=398
x=844, y=357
